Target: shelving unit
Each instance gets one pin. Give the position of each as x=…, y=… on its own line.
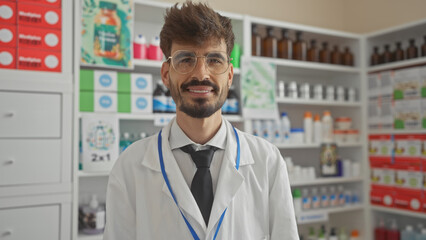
x=324, y=181
x=322, y=215
x=389, y=36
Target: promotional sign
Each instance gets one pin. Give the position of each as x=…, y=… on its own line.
x=107, y=33
x=258, y=90
x=100, y=143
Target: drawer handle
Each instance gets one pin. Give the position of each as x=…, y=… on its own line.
x=9, y=114
x=7, y=233
x=9, y=161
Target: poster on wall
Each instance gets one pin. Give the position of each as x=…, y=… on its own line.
x=100, y=143
x=258, y=90
x=107, y=33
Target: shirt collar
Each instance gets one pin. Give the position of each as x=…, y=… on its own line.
x=178, y=138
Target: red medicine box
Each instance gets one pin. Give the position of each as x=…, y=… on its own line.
x=7, y=57
x=52, y=3
x=39, y=16
x=39, y=38
x=29, y=59
x=7, y=35
x=7, y=12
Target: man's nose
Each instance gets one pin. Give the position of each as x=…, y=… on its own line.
x=201, y=70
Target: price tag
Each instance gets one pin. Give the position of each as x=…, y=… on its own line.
x=162, y=119
x=312, y=217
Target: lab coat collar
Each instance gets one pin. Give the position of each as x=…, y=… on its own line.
x=230, y=179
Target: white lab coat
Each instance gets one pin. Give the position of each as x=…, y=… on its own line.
x=257, y=196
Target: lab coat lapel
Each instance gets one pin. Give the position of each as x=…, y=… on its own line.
x=177, y=182
x=230, y=179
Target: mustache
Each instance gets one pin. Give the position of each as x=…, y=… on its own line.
x=195, y=82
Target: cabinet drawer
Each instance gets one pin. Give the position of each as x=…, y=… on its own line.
x=29, y=161
x=30, y=115
x=38, y=223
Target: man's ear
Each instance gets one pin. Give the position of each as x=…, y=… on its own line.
x=165, y=68
x=230, y=75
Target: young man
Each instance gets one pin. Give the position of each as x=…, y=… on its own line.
x=199, y=178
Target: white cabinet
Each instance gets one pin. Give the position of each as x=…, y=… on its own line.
x=36, y=147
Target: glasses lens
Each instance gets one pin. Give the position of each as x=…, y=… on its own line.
x=185, y=61
x=217, y=62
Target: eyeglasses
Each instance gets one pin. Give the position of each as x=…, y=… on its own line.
x=185, y=61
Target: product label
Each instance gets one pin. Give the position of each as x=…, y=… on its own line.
x=30, y=59
x=100, y=220
x=141, y=103
x=7, y=35
x=29, y=37
x=232, y=106
x=407, y=84
x=7, y=12
x=107, y=40
x=325, y=201
x=306, y=203
x=39, y=16
x=7, y=57
x=141, y=83
x=160, y=103
x=334, y=201
x=315, y=202
x=105, y=80
x=171, y=105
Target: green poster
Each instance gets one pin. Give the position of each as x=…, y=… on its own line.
x=107, y=33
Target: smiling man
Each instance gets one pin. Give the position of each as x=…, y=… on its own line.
x=199, y=177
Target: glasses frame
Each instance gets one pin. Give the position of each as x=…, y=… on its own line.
x=169, y=60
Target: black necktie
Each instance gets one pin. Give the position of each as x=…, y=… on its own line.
x=202, y=186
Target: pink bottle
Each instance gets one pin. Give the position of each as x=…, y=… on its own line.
x=154, y=50
x=139, y=47
x=393, y=233
x=380, y=231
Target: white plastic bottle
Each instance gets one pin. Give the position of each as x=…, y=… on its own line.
x=285, y=128
x=317, y=129
x=422, y=235
x=315, y=198
x=306, y=199
x=334, y=200
x=341, y=195
x=308, y=125
x=408, y=233
x=327, y=127
x=325, y=199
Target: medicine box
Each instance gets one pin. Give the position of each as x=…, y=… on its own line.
x=135, y=83
x=382, y=197
x=52, y=3
x=134, y=103
x=7, y=12
x=31, y=59
x=98, y=102
x=40, y=38
x=422, y=75
x=407, y=114
x=7, y=35
x=407, y=84
x=99, y=81
x=39, y=16
x=7, y=57
x=408, y=148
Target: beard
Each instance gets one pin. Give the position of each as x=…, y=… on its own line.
x=198, y=107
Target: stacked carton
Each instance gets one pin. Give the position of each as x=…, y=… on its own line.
x=30, y=35
x=110, y=91
x=398, y=169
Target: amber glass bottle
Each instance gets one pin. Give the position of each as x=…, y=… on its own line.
x=375, y=57
x=285, y=46
x=256, y=41
x=335, y=56
x=424, y=47
x=398, y=54
x=299, y=48
x=324, y=54
x=348, y=57
x=387, y=55
x=312, y=54
x=270, y=44
x=412, y=50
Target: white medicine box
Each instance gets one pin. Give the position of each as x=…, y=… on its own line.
x=105, y=102
x=141, y=83
x=141, y=103
x=105, y=81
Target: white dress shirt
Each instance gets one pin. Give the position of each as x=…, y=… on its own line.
x=187, y=166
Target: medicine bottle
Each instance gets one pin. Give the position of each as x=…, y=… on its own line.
x=348, y=57
x=256, y=41
x=424, y=47
x=299, y=47
x=412, y=50
x=285, y=46
x=387, y=55
x=398, y=54
x=335, y=56
x=375, y=57
x=312, y=55
x=324, y=55
x=107, y=31
x=269, y=44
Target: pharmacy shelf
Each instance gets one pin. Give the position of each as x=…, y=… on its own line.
x=92, y=174
x=324, y=181
x=308, y=66
x=398, y=65
x=149, y=117
x=314, y=145
x=158, y=64
x=399, y=212
x=82, y=236
x=397, y=131
x=313, y=102
x=321, y=215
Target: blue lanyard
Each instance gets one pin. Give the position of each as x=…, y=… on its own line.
x=166, y=179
